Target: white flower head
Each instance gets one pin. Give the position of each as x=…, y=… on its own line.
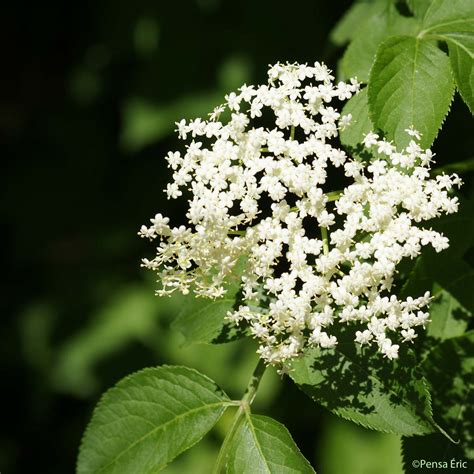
x=313, y=261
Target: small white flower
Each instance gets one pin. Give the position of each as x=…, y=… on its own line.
x=370, y=139
x=413, y=133
x=345, y=121
x=385, y=147
x=215, y=114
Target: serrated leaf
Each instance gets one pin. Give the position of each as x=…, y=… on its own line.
x=352, y=136
x=410, y=85
x=149, y=418
x=264, y=446
x=450, y=372
x=452, y=15
x=461, y=55
x=366, y=389
x=360, y=54
x=202, y=320
x=354, y=18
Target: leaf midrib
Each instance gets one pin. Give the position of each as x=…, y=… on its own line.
x=257, y=442
x=440, y=25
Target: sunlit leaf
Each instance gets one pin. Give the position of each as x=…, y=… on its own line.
x=410, y=85
x=452, y=15
x=353, y=134
x=149, y=418
x=360, y=55
x=264, y=446
x=461, y=55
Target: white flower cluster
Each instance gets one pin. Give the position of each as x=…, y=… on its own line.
x=314, y=259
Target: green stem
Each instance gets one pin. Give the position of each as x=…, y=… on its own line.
x=292, y=133
x=244, y=407
x=334, y=195
x=324, y=236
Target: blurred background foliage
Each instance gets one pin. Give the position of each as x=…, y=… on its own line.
x=90, y=93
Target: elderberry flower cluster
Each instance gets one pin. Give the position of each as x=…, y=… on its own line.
x=313, y=258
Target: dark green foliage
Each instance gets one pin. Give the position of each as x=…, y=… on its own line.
x=361, y=386
x=449, y=369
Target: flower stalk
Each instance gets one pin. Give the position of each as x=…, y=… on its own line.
x=244, y=408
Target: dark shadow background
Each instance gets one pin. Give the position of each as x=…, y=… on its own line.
x=89, y=93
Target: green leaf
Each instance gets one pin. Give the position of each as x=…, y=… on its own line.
x=366, y=389
x=461, y=55
x=354, y=18
x=418, y=7
x=449, y=318
x=149, y=418
x=452, y=15
x=264, y=446
x=450, y=372
x=351, y=137
x=410, y=85
x=202, y=320
x=360, y=54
